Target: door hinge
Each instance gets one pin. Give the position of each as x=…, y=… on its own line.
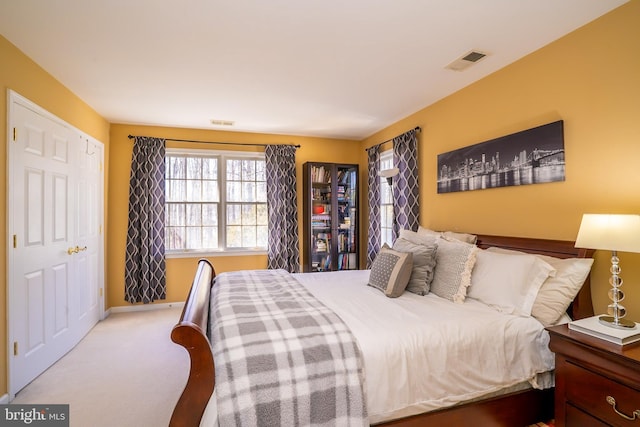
x=15, y=134
x=15, y=241
x=100, y=291
x=15, y=348
x=100, y=230
x=100, y=166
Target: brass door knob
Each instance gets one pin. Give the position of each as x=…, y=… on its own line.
x=75, y=250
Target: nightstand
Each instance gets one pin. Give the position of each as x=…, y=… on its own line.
x=597, y=382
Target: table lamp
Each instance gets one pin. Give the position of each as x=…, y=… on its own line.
x=613, y=232
x=389, y=174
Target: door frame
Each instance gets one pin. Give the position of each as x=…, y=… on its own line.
x=12, y=99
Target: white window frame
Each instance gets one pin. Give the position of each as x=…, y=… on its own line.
x=222, y=156
x=386, y=162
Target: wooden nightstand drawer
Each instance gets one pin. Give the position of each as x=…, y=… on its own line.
x=591, y=392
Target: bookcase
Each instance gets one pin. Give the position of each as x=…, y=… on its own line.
x=330, y=217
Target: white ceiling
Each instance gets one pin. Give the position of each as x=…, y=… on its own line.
x=330, y=68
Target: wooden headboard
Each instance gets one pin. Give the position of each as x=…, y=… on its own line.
x=582, y=305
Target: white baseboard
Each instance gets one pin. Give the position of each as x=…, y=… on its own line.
x=142, y=307
x=4, y=399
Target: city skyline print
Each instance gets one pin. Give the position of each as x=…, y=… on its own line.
x=532, y=156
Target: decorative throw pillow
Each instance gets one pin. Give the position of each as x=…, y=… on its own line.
x=424, y=262
x=449, y=235
x=454, y=264
x=391, y=271
x=421, y=239
x=557, y=292
x=508, y=282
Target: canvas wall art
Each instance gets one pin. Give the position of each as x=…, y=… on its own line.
x=532, y=156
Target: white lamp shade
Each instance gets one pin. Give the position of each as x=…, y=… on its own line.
x=389, y=173
x=615, y=232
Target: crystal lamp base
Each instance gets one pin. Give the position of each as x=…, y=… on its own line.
x=620, y=324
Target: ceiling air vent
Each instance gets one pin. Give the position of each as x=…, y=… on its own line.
x=216, y=122
x=466, y=61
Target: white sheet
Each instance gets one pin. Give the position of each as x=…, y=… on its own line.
x=423, y=353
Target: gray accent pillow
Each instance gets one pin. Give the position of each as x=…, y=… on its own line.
x=454, y=264
x=390, y=271
x=424, y=263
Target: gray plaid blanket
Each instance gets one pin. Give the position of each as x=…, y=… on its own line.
x=282, y=357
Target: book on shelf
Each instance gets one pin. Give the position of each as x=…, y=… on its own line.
x=345, y=175
x=320, y=175
x=347, y=261
x=592, y=326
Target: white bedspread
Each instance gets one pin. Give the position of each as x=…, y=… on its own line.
x=423, y=352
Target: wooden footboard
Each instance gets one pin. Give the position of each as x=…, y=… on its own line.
x=515, y=409
x=191, y=333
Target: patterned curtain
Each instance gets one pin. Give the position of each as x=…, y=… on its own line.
x=373, y=243
x=282, y=207
x=144, y=277
x=406, y=206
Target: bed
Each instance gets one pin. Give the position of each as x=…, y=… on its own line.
x=513, y=406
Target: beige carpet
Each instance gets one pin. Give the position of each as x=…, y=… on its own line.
x=125, y=372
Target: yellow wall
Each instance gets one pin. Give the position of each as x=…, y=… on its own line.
x=22, y=75
x=180, y=270
x=590, y=79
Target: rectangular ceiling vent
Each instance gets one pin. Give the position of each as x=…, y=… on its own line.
x=466, y=61
x=217, y=122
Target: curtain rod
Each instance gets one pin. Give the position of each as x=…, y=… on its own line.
x=217, y=142
x=417, y=129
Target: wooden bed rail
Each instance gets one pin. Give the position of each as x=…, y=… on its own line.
x=191, y=333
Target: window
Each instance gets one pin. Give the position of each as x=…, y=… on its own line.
x=386, y=201
x=215, y=201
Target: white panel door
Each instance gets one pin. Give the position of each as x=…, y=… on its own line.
x=88, y=233
x=55, y=249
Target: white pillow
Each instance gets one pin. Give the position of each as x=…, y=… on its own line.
x=508, y=282
x=415, y=237
x=448, y=235
x=454, y=264
x=557, y=292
